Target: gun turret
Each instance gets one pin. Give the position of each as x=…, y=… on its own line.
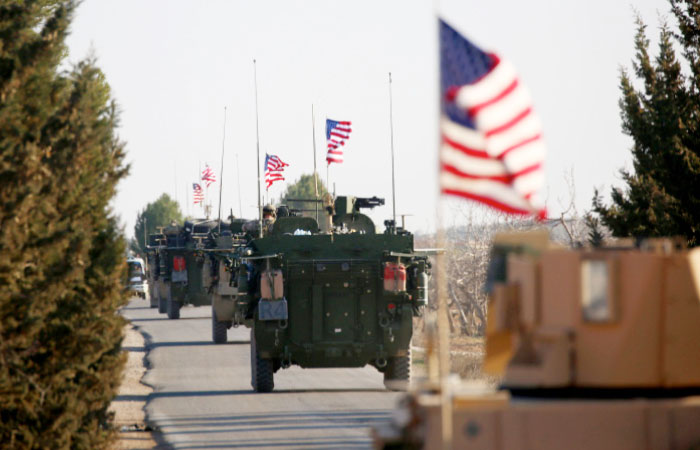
x=368, y=202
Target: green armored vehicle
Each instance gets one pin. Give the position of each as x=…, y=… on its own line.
x=344, y=297
x=181, y=266
x=223, y=258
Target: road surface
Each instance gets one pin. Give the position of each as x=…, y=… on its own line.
x=202, y=397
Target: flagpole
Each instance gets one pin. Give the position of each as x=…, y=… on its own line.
x=313, y=134
x=221, y=173
x=238, y=177
x=439, y=355
x=199, y=178
x=257, y=146
x=391, y=127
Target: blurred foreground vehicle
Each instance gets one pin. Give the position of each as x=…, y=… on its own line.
x=596, y=348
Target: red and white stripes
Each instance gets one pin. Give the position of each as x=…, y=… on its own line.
x=501, y=161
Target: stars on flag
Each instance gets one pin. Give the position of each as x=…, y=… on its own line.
x=274, y=167
x=208, y=176
x=337, y=132
x=197, y=193
x=492, y=149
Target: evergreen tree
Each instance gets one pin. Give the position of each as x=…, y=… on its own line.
x=304, y=187
x=159, y=213
x=61, y=252
x=662, y=197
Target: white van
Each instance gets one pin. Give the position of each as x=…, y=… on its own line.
x=137, y=282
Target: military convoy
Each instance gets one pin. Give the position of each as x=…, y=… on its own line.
x=334, y=294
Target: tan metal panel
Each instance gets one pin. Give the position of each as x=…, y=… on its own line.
x=625, y=353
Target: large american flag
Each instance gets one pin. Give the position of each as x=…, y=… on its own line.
x=208, y=175
x=492, y=149
x=337, y=132
x=198, y=193
x=274, y=167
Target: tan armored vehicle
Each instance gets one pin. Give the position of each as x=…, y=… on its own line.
x=596, y=349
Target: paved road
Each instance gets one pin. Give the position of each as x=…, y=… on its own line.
x=202, y=397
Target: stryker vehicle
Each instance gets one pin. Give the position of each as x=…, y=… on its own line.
x=156, y=283
x=596, y=348
x=344, y=297
x=181, y=266
x=137, y=281
x=222, y=259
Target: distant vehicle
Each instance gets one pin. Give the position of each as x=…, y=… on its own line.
x=342, y=297
x=182, y=277
x=136, y=281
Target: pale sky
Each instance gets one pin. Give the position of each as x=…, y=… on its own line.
x=174, y=65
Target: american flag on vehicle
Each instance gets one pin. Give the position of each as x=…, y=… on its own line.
x=492, y=149
x=198, y=193
x=274, y=167
x=208, y=175
x=336, y=135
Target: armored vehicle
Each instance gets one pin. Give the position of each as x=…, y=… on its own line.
x=341, y=298
x=181, y=261
x=156, y=283
x=222, y=252
x=595, y=348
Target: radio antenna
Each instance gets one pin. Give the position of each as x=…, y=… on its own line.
x=257, y=145
x=221, y=173
x=391, y=127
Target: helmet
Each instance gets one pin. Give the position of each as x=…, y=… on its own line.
x=269, y=209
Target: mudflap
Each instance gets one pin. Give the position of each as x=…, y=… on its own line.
x=273, y=309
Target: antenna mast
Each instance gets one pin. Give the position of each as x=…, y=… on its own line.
x=313, y=133
x=257, y=146
x=391, y=126
x=221, y=173
x=238, y=177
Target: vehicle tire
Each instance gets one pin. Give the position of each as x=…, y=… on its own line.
x=262, y=375
x=173, y=309
x=218, y=329
x=162, y=305
x=397, y=374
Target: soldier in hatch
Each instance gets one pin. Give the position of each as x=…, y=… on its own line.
x=269, y=217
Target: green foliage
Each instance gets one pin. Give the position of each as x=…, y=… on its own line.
x=156, y=214
x=61, y=251
x=305, y=187
x=662, y=197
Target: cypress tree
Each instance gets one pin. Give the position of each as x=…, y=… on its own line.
x=61, y=252
x=662, y=197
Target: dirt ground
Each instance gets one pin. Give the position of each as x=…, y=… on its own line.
x=130, y=418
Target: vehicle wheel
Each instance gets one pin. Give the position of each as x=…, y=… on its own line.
x=162, y=305
x=218, y=329
x=397, y=374
x=173, y=309
x=262, y=375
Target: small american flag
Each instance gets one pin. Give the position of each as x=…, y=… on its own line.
x=198, y=193
x=208, y=175
x=274, y=167
x=336, y=135
x=492, y=149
